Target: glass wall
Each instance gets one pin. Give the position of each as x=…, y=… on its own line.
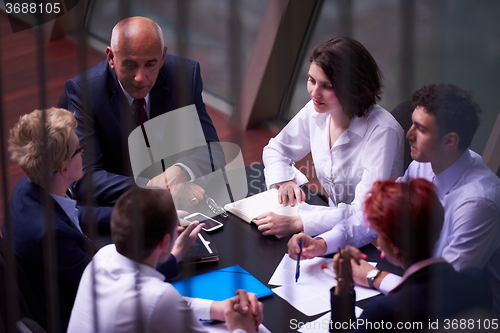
x=455, y=41
x=220, y=34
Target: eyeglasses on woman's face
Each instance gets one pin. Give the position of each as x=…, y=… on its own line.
x=79, y=149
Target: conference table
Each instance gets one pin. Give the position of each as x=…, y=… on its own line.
x=240, y=243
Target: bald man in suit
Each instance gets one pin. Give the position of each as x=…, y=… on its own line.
x=136, y=82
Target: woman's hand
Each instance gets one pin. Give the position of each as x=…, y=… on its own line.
x=270, y=223
x=343, y=269
x=290, y=193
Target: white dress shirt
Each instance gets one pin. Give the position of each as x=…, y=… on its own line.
x=370, y=149
x=117, y=294
x=470, y=237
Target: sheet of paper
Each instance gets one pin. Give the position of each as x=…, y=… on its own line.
x=322, y=324
x=318, y=269
x=314, y=299
x=363, y=293
x=311, y=294
x=222, y=328
x=308, y=299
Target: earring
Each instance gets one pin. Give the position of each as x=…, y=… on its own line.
x=66, y=177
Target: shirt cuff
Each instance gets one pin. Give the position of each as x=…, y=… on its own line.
x=389, y=282
x=141, y=182
x=200, y=307
x=299, y=177
x=187, y=169
x=281, y=172
x=239, y=330
x=313, y=218
x=333, y=239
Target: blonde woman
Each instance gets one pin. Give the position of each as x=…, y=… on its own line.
x=50, y=155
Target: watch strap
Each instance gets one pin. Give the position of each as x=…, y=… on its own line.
x=370, y=279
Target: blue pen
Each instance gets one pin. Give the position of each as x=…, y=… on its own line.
x=297, y=270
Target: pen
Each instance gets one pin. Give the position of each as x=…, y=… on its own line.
x=205, y=242
x=297, y=270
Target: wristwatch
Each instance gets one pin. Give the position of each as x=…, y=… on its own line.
x=372, y=275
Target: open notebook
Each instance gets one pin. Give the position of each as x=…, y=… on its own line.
x=249, y=208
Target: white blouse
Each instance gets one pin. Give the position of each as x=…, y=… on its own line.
x=370, y=149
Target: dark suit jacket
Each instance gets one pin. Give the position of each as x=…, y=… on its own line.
x=433, y=292
x=105, y=121
x=73, y=249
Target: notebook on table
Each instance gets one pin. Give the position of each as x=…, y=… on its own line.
x=249, y=208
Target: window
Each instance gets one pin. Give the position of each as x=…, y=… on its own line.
x=454, y=41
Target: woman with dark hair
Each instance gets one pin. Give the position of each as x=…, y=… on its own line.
x=408, y=218
x=352, y=140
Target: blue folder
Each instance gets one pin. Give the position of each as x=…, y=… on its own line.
x=221, y=284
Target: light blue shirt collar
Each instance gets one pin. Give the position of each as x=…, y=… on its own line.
x=445, y=180
x=69, y=207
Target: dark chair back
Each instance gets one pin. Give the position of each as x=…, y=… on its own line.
x=63, y=101
x=402, y=113
x=24, y=304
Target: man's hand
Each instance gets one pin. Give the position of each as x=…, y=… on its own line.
x=186, y=240
x=310, y=247
x=176, y=175
x=172, y=176
x=290, y=193
x=187, y=195
x=176, y=180
x=242, y=311
x=159, y=181
x=270, y=223
x=253, y=305
x=182, y=223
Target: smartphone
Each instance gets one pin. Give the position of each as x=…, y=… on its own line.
x=210, y=223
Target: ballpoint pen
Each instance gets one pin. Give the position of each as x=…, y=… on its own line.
x=297, y=270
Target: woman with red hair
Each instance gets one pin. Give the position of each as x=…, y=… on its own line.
x=407, y=218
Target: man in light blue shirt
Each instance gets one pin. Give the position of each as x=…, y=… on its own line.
x=444, y=122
